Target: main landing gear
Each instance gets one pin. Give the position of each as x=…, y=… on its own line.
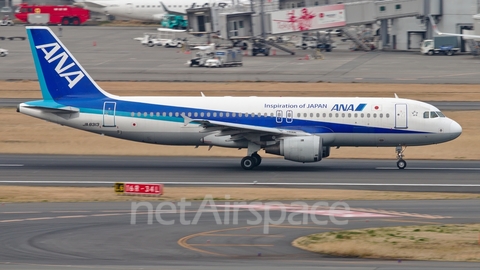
x=401, y=164
x=252, y=161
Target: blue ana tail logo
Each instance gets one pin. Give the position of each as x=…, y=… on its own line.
x=59, y=73
x=51, y=55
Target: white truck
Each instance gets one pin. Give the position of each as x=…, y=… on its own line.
x=447, y=45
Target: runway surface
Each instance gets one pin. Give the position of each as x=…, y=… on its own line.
x=449, y=176
x=108, y=236
x=442, y=105
x=111, y=54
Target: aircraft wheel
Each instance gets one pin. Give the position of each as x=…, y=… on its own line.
x=248, y=163
x=401, y=164
x=257, y=158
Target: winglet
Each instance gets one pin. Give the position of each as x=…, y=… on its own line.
x=434, y=25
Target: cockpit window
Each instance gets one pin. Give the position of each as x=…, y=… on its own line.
x=426, y=115
x=440, y=114
x=433, y=115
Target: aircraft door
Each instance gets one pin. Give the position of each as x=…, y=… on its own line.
x=129, y=8
x=109, y=113
x=401, y=116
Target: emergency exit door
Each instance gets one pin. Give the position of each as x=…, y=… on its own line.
x=401, y=116
x=109, y=114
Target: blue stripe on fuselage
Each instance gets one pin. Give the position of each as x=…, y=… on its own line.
x=126, y=108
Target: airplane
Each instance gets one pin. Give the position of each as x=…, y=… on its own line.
x=151, y=9
x=301, y=129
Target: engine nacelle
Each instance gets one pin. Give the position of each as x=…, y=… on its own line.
x=299, y=148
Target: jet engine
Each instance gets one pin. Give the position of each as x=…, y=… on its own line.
x=300, y=148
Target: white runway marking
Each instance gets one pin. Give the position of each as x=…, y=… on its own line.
x=11, y=165
x=426, y=168
x=252, y=184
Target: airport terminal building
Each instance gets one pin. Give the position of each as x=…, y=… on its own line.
x=397, y=24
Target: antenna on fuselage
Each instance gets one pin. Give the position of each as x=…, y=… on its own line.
x=395, y=95
x=202, y=94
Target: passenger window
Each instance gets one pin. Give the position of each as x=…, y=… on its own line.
x=214, y=114
x=221, y=114
x=195, y=114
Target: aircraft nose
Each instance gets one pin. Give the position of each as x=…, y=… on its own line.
x=455, y=129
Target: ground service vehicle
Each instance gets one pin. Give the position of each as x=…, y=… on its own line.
x=174, y=22
x=66, y=15
x=447, y=45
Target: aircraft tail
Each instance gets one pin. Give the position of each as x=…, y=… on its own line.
x=59, y=73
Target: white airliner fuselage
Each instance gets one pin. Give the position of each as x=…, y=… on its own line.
x=149, y=9
x=299, y=129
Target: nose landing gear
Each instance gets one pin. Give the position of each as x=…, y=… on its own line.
x=401, y=164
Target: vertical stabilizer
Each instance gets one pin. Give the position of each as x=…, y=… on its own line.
x=59, y=73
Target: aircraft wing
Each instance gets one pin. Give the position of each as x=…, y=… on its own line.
x=233, y=129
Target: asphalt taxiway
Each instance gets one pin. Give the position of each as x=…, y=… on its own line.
x=108, y=236
x=420, y=175
x=111, y=54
